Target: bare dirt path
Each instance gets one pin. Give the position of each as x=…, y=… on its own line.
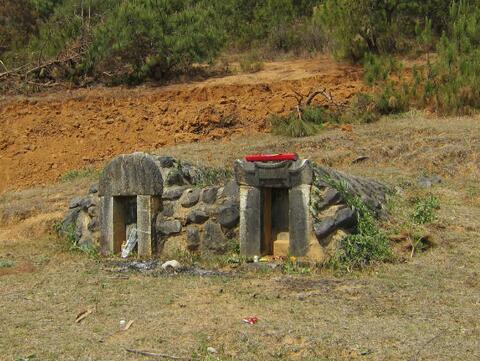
x=43, y=137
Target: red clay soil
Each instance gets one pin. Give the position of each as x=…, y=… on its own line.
x=43, y=137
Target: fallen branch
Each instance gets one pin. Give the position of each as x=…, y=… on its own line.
x=153, y=354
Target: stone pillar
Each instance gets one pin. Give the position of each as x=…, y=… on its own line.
x=250, y=221
x=112, y=224
x=299, y=220
x=147, y=209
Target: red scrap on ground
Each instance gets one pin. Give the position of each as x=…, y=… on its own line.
x=270, y=157
x=251, y=320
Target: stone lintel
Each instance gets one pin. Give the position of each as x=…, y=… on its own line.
x=284, y=174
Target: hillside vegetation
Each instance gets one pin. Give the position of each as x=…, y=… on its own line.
x=114, y=42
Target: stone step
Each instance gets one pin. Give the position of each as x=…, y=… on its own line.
x=280, y=248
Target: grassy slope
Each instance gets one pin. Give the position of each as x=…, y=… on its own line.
x=424, y=309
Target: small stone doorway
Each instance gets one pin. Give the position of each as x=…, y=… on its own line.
x=275, y=237
x=274, y=206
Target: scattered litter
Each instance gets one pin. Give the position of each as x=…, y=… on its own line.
x=131, y=242
x=173, y=264
x=360, y=159
x=123, y=323
x=82, y=315
x=211, y=350
x=250, y=320
x=128, y=325
x=255, y=259
x=154, y=354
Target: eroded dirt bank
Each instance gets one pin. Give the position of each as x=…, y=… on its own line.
x=43, y=137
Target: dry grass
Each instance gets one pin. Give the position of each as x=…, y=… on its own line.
x=422, y=309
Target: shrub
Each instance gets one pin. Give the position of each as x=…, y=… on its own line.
x=425, y=210
x=251, y=63
x=358, y=27
x=310, y=122
x=155, y=39
x=362, y=109
x=368, y=245
x=379, y=68
x=452, y=82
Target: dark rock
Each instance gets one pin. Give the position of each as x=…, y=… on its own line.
x=190, y=173
x=75, y=202
x=93, y=211
x=70, y=219
x=93, y=189
x=173, y=193
x=175, y=178
x=190, y=198
x=213, y=238
x=231, y=190
x=197, y=216
x=167, y=228
x=94, y=225
x=228, y=215
x=345, y=218
x=360, y=159
x=167, y=209
x=209, y=195
x=166, y=161
x=193, y=238
x=331, y=197
x=323, y=229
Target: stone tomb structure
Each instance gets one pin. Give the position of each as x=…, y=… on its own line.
x=275, y=216
x=282, y=207
x=130, y=191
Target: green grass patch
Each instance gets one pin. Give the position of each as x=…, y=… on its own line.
x=368, y=245
x=6, y=263
x=88, y=172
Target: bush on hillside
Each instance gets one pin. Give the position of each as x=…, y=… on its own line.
x=358, y=27
x=451, y=83
x=155, y=39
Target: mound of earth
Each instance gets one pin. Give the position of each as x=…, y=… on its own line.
x=44, y=137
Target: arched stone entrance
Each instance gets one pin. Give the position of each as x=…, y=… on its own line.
x=130, y=191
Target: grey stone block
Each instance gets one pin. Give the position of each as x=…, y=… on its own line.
x=94, y=225
x=250, y=221
x=231, y=190
x=213, y=238
x=345, y=218
x=190, y=198
x=175, y=178
x=193, y=238
x=331, y=197
x=323, y=229
x=75, y=202
x=228, y=215
x=167, y=228
x=173, y=193
x=167, y=209
x=197, y=216
x=166, y=161
x=299, y=219
x=209, y=195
